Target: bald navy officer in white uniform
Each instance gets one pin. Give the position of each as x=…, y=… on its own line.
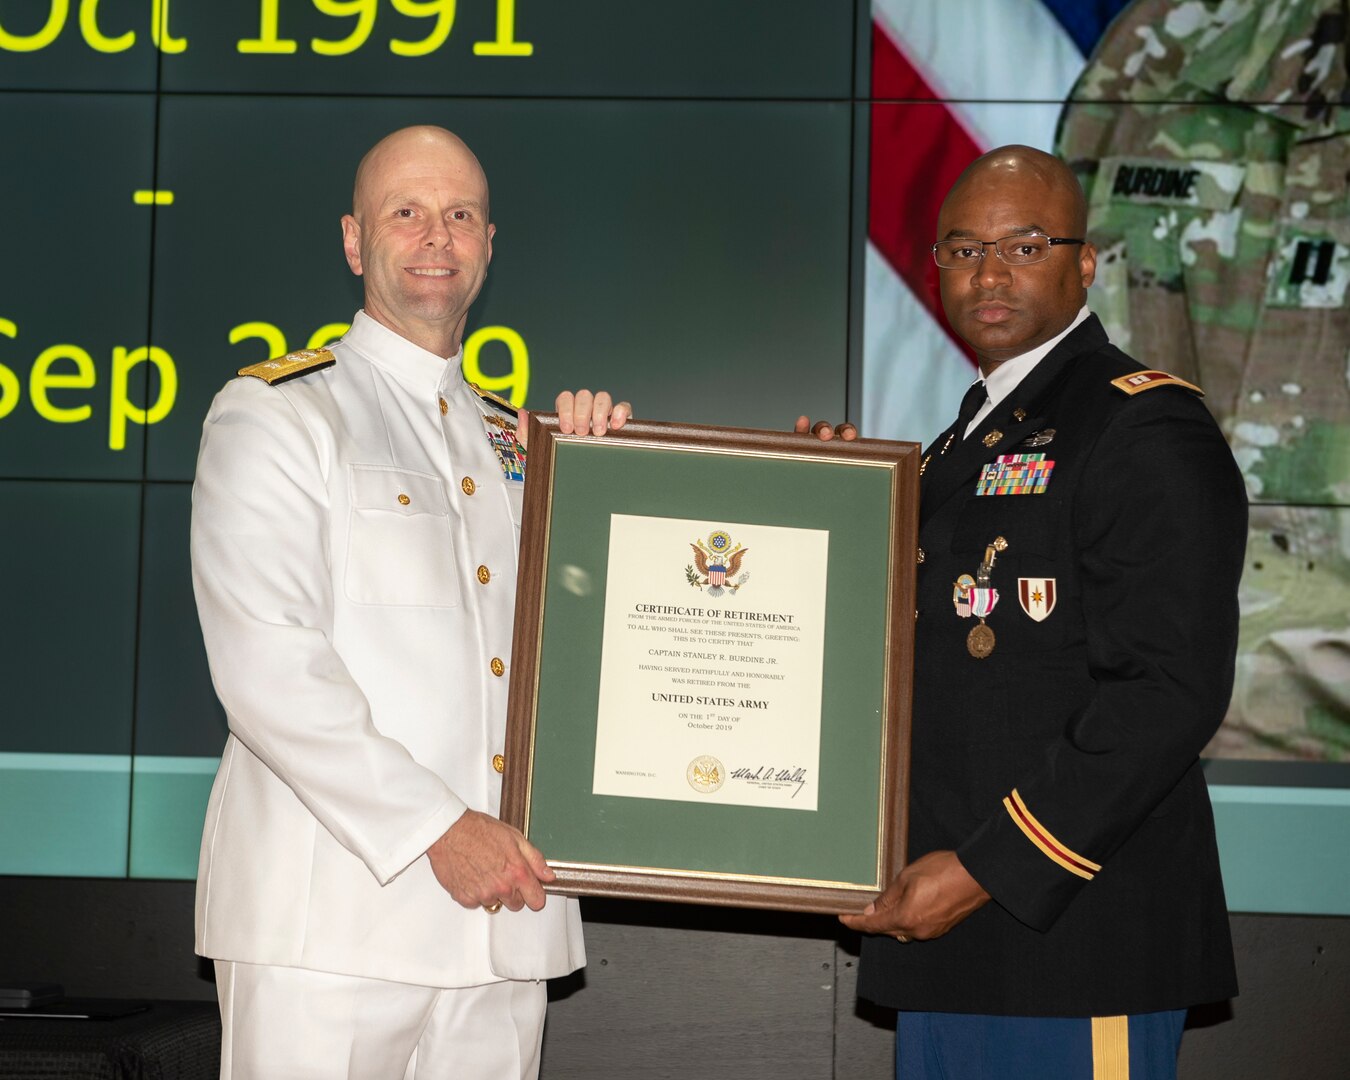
x=355, y=532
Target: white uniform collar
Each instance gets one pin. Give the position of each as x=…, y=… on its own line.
x=1003, y=380
x=397, y=355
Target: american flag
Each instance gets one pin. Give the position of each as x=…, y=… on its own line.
x=950, y=80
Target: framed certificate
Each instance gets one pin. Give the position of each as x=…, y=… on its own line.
x=711, y=676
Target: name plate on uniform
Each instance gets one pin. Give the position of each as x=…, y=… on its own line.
x=710, y=685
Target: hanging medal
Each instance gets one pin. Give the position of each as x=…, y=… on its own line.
x=980, y=640
x=983, y=599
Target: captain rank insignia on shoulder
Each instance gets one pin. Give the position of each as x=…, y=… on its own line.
x=1150, y=380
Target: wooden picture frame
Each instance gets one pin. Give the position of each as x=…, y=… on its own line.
x=862, y=497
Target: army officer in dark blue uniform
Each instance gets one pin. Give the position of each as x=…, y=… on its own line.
x=1082, y=530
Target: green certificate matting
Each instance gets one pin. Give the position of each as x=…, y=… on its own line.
x=837, y=843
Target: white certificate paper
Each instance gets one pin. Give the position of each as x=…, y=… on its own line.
x=710, y=671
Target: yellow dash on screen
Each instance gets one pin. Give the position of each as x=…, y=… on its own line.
x=152, y=198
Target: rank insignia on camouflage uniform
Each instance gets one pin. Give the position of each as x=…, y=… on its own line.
x=1015, y=474
x=1309, y=269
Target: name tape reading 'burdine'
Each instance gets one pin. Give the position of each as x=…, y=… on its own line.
x=63, y=382
x=110, y=32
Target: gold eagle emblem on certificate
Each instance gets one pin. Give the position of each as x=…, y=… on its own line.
x=706, y=774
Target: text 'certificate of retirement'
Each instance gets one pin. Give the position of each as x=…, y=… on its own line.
x=710, y=672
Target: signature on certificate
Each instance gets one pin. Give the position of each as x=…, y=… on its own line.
x=771, y=776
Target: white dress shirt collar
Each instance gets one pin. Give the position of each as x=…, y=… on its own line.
x=1003, y=380
x=397, y=355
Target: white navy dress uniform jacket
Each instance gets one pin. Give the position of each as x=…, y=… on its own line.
x=354, y=547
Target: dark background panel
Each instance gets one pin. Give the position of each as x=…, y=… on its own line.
x=177, y=713
x=254, y=241
x=76, y=250
x=699, y=48
x=68, y=631
x=700, y=256
x=693, y=256
x=42, y=48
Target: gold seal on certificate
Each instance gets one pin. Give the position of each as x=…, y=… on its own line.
x=705, y=774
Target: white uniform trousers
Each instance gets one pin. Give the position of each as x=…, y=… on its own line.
x=283, y=1023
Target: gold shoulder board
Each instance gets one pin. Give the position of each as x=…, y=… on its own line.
x=1147, y=380
x=290, y=366
x=489, y=396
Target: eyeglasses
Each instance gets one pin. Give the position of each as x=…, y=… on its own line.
x=1021, y=249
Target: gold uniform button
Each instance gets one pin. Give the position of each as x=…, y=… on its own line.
x=921, y=555
x=498, y=668
x=499, y=763
x=444, y=407
x=403, y=500
x=468, y=485
x=484, y=575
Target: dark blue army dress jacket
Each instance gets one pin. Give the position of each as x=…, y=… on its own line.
x=1093, y=528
